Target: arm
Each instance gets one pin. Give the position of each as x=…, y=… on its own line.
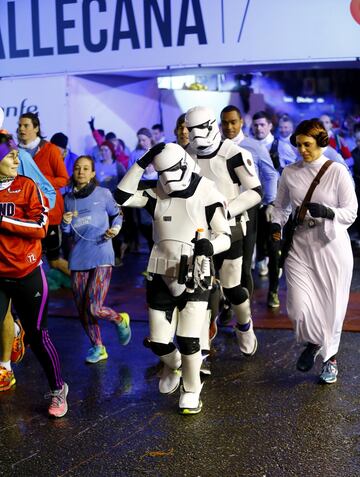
x=346, y=209
x=67, y=216
x=126, y=193
x=216, y=218
x=269, y=178
x=282, y=205
x=95, y=133
x=35, y=224
x=242, y=169
x=220, y=228
x=113, y=211
x=98, y=137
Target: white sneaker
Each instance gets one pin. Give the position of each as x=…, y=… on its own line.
x=247, y=340
x=169, y=380
x=189, y=403
x=262, y=267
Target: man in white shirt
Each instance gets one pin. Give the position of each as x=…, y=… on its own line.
x=231, y=124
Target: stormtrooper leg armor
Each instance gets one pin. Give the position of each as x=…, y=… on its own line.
x=190, y=324
x=230, y=275
x=162, y=331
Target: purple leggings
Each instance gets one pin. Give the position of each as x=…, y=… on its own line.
x=90, y=288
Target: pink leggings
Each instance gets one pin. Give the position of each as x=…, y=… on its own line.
x=90, y=288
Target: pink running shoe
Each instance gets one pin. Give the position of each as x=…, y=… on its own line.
x=58, y=406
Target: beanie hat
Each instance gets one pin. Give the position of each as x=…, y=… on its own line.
x=7, y=144
x=60, y=140
x=110, y=145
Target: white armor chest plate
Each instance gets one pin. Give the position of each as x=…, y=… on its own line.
x=216, y=170
x=175, y=223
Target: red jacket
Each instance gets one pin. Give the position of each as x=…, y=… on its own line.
x=23, y=223
x=49, y=160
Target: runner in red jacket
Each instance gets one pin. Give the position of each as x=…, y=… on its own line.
x=23, y=223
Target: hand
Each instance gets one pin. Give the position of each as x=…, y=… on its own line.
x=111, y=233
x=268, y=212
x=203, y=247
x=148, y=157
x=91, y=123
x=275, y=232
x=319, y=210
x=67, y=217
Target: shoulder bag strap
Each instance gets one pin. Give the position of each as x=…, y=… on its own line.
x=303, y=209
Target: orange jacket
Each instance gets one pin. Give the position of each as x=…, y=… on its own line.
x=49, y=160
x=23, y=223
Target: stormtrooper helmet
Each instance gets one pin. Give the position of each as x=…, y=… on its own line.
x=203, y=128
x=174, y=167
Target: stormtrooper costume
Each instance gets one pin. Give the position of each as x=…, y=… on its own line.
x=180, y=203
x=232, y=169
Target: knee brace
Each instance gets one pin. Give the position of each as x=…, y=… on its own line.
x=187, y=345
x=236, y=295
x=161, y=349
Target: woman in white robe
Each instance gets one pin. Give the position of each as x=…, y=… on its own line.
x=320, y=261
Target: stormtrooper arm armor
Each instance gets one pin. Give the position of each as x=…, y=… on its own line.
x=126, y=193
x=252, y=193
x=220, y=228
x=245, y=201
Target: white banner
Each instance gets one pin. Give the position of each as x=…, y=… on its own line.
x=45, y=96
x=118, y=104
x=74, y=36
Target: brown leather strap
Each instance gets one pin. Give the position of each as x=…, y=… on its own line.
x=303, y=209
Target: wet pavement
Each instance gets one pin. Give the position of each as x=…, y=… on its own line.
x=260, y=417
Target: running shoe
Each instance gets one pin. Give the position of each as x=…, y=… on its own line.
x=58, y=406
x=7, y=379
x=18, y=346
x=123, y=329
x=329, y=372
x=189, y=403
x=96, y=353
x=247, y=340
x=307, y=358
x=169, y=380
x=273, y=300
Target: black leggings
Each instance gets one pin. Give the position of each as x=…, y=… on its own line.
x=29, y=296
x=248, y=249
x=266, y=247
